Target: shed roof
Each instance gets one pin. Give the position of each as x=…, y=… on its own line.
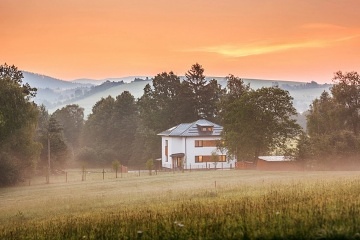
x=193, y=129
x=177, y=155
x=275, y=158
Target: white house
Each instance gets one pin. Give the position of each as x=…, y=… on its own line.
x=192, y=146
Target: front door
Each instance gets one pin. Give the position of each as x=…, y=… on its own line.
x=178, y=162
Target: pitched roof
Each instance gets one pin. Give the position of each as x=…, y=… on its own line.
x=193, y=129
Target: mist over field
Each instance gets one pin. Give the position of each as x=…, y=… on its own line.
x=201, y=204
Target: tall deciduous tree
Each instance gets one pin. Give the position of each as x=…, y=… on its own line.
x=110, y=129
x=333, y=125
x=163, y=105
x=71, y=117
x=98, y=127
x=59, y=152
x=18, y=117
x=235, y=89
x=55, y=151
x=124, y=121
x=259, y=121
x=325, y=116
x=346, y=92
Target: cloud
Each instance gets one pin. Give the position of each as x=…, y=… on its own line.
x=242, y=50
x=325, y=26
x=256, y=48
x=260, y=48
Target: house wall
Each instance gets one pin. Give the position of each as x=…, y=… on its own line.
x=187, y=145
x=165, y=154
x=177, y=145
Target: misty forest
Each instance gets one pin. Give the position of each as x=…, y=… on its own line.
x=123, y=131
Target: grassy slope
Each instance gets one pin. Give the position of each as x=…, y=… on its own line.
x=135, y=88
x=244, y=204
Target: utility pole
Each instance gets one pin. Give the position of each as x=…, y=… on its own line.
x=48, y=178
x=52, y=129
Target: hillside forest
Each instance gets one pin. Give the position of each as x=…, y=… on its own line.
x=256, y=122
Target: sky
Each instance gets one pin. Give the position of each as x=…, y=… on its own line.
x=305, y=40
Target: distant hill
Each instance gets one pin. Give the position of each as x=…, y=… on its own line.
x=135, y=88
x=42, y=81
x=88, y=81
x=56, y=93
x=98, y=82
x=303, y=93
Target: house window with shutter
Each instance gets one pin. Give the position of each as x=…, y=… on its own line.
x=198, y=143
x=205, y=143
x=166, y=151
x=207, y=158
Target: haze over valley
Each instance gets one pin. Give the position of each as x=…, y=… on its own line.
x=56, y=93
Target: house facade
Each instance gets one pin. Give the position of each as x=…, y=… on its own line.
x=194, y=146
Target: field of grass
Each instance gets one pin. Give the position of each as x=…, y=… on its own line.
x=198, y=205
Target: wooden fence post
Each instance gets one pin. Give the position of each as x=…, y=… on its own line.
x=83, y=174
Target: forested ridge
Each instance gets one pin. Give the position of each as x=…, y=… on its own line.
x=124, y=129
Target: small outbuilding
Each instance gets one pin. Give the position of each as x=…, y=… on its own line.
x=277, y=163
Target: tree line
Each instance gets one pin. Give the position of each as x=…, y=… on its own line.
x=256, y=122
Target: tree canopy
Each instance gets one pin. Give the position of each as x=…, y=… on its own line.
x=259, y=121
x=346, y=92
x=18, y=117
x=333, y=125
x=71, y=117
x=110, y=129
x=204, y=95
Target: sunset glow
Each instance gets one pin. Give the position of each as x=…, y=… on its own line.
x=276, y=39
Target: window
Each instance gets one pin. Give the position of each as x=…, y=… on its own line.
x=206, y=129
x=166, y=151
x=210, y=143
x=222, y=158
x=198, y=143
x=200, y=159
x=205, y=143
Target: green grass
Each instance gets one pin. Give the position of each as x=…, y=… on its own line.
x=243, y=205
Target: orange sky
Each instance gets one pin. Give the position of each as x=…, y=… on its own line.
x=273, y=39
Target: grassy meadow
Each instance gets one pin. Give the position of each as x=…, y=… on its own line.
x=221, y=204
